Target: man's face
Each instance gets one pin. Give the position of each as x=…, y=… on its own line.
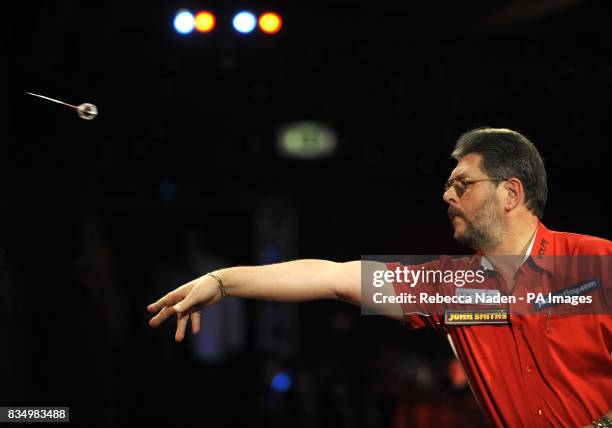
x=476, y=215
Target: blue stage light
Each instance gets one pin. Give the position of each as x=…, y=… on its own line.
x=184, y=22
x=244, y=22
x=281, y=382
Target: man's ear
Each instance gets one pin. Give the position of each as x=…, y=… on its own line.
x=513, y=193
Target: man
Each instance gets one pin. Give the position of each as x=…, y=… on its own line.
x=526, y=368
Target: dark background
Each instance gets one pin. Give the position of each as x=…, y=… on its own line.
x=100, y=218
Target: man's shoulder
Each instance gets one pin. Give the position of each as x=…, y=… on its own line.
x=569, y=243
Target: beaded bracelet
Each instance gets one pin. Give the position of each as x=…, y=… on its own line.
x=221, y=287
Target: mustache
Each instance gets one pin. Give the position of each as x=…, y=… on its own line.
x=455, y=212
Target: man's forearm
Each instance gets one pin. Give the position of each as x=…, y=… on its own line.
x=298, y=280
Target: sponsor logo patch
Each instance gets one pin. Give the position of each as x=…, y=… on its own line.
x=562, y=296
x=494, y=316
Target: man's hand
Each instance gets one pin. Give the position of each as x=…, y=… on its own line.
x=186, y=302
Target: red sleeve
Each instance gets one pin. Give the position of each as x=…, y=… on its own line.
x=419, y=314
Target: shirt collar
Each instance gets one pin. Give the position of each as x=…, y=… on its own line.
x=544, y=238
x=528, y=252
x=543, y=249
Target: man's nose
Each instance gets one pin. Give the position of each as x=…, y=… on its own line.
x=450, y=196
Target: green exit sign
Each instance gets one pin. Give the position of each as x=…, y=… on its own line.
x=306, y=140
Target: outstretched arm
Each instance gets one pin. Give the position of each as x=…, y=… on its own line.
x=294, y=281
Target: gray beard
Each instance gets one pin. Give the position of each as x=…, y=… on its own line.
x=485, y=232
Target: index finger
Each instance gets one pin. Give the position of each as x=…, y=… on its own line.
x=169, y=299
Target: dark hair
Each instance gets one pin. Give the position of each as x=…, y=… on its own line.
x=506, y=153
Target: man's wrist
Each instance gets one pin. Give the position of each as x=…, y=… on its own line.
x=222, y=289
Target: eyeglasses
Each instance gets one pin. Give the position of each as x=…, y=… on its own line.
x=460, y=185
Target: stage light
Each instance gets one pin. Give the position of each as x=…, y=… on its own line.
x=306, y=140
x=244, y=22
x=281, y=382
x=184, y=21
x=270, y=23
x=205, y=21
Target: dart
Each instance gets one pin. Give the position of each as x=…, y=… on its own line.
x=85, y=111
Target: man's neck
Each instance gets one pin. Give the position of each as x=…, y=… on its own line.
x=517, y=239
x=508, y=257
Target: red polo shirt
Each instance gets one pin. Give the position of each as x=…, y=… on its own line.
x=536, y=369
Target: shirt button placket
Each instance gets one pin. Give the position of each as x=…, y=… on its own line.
x=525, y=357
